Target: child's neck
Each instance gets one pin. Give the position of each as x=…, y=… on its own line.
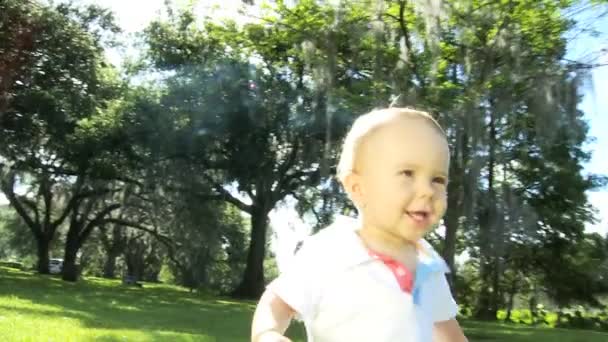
x=383, y=241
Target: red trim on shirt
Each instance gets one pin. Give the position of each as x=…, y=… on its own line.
x=403, y=275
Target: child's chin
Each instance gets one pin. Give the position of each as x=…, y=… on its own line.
x=413, y=233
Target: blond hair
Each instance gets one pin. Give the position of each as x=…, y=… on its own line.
x=365, y=125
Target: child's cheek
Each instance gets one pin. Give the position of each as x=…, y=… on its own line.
x=440, y=208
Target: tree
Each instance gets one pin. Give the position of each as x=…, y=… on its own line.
x=113, y=238
x=211, y=243
x=58, y=84
x=241, y=122
x=14, y=245
x=18, y=44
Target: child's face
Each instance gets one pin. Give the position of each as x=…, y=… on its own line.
x=402, y=171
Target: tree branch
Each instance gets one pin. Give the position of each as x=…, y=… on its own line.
x=96, y=221
x=76, y=199
x=47, y=197
x=286, y=165
x=67, y=172
x=408, y=43
x=289, y=187
x=227, y=196
x=72, y=202
x=8, y=185
x=32, y=205
x=165, y=240
x=105, y=241
x=312, y=207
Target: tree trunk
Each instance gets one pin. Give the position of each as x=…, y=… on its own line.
x=511, y=302
x=532, y=302
x=135, y=260
x=72, y=245
x=252, y=284
x=129, y=263
x=560, y=316
x=496, y=217
x=153, y=265
x=484, y=310
x=109, y=266
x=43, y=246
x=451, y=222
x=458, y=195
x=449, y=248
x=486, y=305
x=152, y=275
x=131, y=267
x=497, y=294
x=114, y=246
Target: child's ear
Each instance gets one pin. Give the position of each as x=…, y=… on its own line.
x=354, y=188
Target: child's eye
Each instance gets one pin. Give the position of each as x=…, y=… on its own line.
x=439, y=180
x=407, y=173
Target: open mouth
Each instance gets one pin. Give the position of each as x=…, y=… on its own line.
x=419, y=216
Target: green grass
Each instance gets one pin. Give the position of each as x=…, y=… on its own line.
x=501, y=332
x=44, y=308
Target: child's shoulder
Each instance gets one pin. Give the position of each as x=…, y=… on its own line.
x=431, y=259
x=334, y=247
x=341, y=231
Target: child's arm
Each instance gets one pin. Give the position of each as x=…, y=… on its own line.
x=271, y=318
x=448, y=331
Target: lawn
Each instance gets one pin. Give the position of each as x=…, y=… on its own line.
x=43, y=308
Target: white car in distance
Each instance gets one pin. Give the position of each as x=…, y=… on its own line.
x=55, y=266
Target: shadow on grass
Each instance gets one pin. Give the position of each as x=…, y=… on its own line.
x=109, y=305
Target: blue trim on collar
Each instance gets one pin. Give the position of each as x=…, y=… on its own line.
x=424, y=269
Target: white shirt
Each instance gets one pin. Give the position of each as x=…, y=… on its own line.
x=343, y=294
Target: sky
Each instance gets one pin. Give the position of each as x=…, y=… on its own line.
x=134, y=15
x=595, y=107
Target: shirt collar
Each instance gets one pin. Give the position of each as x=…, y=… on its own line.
x=351, y=251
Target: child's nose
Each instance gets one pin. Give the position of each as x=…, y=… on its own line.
x=424, y=188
